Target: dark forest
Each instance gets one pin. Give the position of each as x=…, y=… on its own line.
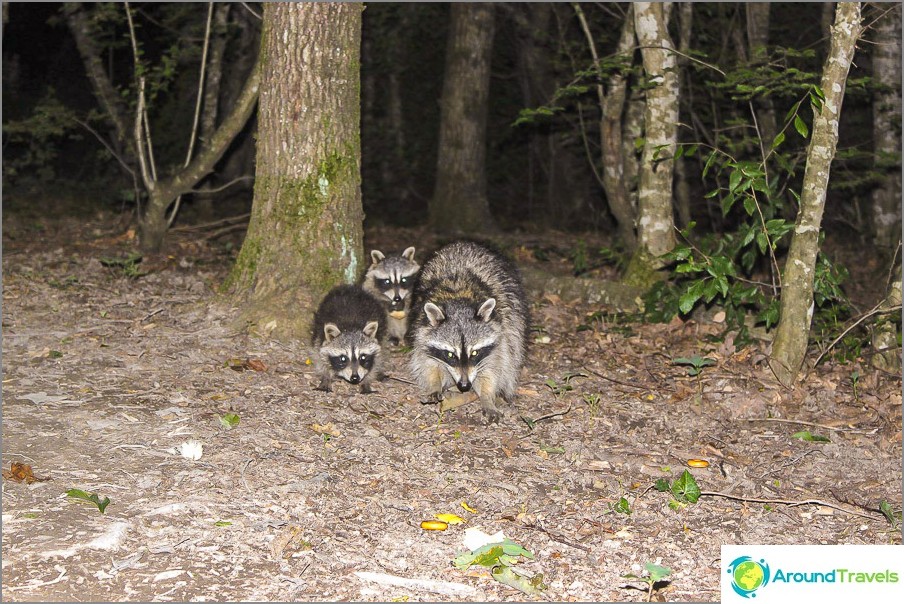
x=701, y=202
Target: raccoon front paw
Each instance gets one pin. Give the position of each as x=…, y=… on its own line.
x=434, y=398
x=324, y=385
x=492, y=415
x=366, y=389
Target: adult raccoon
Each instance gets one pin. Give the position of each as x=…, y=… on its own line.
x=390, y=280
x=348, y=332
x=470, y=325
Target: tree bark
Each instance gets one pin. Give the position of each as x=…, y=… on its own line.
x=459, y=202
x=655, y=223
x=82, y=28
x=305, y=233
x=162, y=193
x=682, y=184
x=792, y=333
x=612, y=105
x=886, y=198
x=758, y=42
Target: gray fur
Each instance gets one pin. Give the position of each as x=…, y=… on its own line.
x=390, y=279
x=470, y=325
x=349, y=325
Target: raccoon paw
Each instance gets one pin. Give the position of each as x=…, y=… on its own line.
x=492, y=415
x=366, y=389
x=324, y=385
x=434, y=398
x=393, y=341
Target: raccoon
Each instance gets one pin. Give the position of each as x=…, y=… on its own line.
x=470, y=325
x=390, y=280
x=348, y=331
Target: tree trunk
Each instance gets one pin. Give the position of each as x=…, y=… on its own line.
x=886, y=335
x=162, y=193
x=305, y=234
x=204, y=201
x=82, y=28
x=655, y=222
x=612, y=107
x=886, y=198
x=790, y=344
x=459, y=202
x=682, y=184
x=758, y=42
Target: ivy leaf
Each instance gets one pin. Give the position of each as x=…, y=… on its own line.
x=89, y=497
x=657, y=573
x=229, y=420
x=685, y=488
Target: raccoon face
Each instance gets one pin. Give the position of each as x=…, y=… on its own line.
x=350, y=355
x=462, y=340
x=394, y=277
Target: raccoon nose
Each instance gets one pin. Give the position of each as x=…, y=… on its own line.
x=464, y=385
x=354, y=379
x=397, y=298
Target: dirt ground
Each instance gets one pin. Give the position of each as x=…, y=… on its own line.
x=104, y=376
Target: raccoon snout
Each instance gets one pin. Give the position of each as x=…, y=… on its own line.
x=463, y=385
x=354, y=379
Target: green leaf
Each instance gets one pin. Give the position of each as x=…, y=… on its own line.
x=229, y=420
x=734, y=179
x=661, y=485
x=800, y=126
x=623, y=507
x=222, y=523
x=805, y=435
x=749, y=205
x=89, y=497
x=551, y=449
x=532, y=586
x=778, y=140
x=657, y=573
x=685, y=488
x=689, y=298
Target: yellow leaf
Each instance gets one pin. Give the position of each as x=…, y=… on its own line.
x=449, y=518
x=465, y=505
x=328, y=428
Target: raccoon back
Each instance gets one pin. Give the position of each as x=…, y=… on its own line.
x=350, y=308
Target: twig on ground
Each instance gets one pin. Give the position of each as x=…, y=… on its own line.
x=803, y=423
x=791, y=503
x=440, y=587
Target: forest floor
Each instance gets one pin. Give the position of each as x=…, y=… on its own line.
x=106, y=375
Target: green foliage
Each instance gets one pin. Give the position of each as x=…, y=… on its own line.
x=229, y=420
x=805, y=435
x=654, y=574
x=695, y=363
x=90, y=498
x=31, y=145
x=128, y=265
x=684, y=490
x=500, y=558
x=893, y=517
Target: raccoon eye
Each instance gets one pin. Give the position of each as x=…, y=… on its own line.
x=450, y=355
x=343, y=359
x=385, y=282
x=475, y=353
x=404, y=281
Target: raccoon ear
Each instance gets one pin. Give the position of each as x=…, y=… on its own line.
x=330, y=331
x=370, y=330
x=434, y=314
x=408, y=254
x=486, y=310
x=377, y=256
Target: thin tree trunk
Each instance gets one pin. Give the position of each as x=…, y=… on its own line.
x=886, y=335
x=204, y=201
x=655, y=223
x=305, y=233
x=612, y=106
x=632, y=130
x=886, y=198
x=82, y=28
x=459, y=202
x=790, y=344
x=758, y=42
x=682, y=186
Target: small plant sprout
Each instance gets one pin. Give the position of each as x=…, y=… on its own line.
x=655, y=574
x=695, y=364
x=593, y=403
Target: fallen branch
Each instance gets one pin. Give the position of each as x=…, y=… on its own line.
x=790, y=503
x=440, y=587
x=803, y=423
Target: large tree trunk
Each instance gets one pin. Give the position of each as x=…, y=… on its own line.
x=790, y=344
x=655, y=222
x=886, y=199
x=459, y=202
x=305, y=234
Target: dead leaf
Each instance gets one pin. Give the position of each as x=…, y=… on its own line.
x=325, y=429
x=22, y=472
x=246, y=364
x=256, y=365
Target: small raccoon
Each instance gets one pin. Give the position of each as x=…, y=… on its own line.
x=470, y=325
x=390, y=280
x=348, y=331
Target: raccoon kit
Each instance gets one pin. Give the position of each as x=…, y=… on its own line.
x=390, y=280
x=470, y=325
x=349, y=327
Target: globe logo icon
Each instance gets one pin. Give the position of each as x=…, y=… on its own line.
x=748, y=575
